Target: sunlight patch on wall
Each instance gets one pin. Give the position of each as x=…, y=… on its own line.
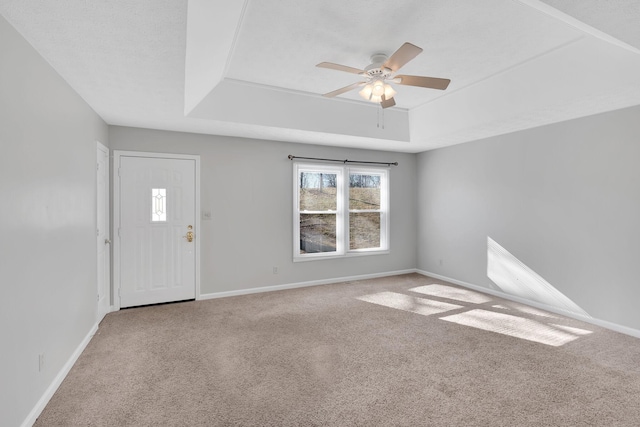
x=513, y=277
x=409, y=303
x=517, y=327
x=452, y=293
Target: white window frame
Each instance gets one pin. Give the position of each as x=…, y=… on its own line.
x=384, y=207
x=342, y=211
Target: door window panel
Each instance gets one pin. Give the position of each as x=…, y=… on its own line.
x=158, y=204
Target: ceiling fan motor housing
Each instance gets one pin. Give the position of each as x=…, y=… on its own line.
x=377, y=59
x=375, y=71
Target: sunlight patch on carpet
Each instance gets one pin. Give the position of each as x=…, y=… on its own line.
x=409, y=303
x=517, y=327
x=449, y=292
x=572, y=330
x=525, y=309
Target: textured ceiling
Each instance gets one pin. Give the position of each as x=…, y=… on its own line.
x=513, y=64
x=619, y=18
x=277, y=48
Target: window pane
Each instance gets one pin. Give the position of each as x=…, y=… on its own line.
x=318, y=191
x=364, y=230
x=158, y=204
x=364, y=191
x=317, y=233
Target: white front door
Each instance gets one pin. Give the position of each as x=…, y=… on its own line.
x=102, y=230
x=157, y=229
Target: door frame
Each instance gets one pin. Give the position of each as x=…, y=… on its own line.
x=117, y=155
x=107, y=213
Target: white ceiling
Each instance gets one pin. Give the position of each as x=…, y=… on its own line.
x=248, y=68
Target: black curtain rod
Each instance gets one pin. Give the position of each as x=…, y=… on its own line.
x=344, y=161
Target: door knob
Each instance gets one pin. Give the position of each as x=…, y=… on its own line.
x=189, y=235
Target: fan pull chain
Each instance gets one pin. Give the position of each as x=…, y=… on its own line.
x=380, y=113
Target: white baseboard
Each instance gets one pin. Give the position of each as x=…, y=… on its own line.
x=598, y=322
x=303, y=284
x=48, y=394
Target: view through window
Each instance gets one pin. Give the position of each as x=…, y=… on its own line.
x=339, y=211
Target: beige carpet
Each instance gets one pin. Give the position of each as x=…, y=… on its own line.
x=393, y=351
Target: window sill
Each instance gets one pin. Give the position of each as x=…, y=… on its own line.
x=347, y=255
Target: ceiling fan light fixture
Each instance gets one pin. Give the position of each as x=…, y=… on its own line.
x=373, y=91
x=381, y=72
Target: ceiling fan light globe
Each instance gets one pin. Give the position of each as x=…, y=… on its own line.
x=374, y=91
x=366, y=92
x=389, y=91
x=378, y=88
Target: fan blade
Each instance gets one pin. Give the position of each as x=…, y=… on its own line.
x=428, y=82
x=332, y=66
x=386, y=103
x=401, y=56
x=343, y=90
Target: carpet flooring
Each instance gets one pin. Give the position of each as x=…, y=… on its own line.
x=399, y=351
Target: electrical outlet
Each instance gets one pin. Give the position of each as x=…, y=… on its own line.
x=41, y=362
x=275, y=270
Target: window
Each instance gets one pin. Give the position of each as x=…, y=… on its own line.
x=158, y=204
x=340, y=211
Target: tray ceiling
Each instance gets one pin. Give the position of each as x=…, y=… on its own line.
x=248, y=68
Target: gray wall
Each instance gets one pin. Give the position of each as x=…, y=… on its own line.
x=248, y=185
x=564, y=199
x=47, y=223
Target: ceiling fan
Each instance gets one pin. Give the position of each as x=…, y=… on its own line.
x=381, y=72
